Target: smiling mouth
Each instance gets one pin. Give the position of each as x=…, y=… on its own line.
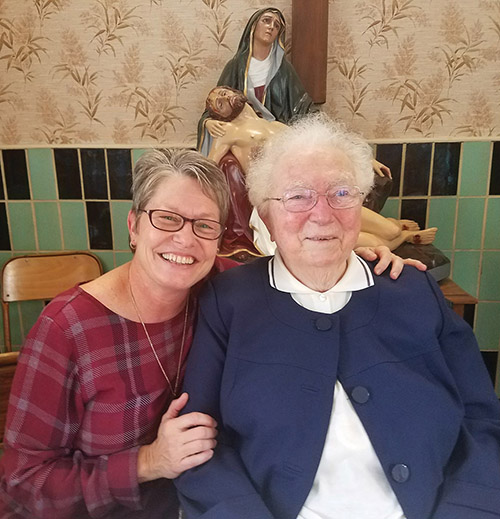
x=321, y=238
x=178, y=260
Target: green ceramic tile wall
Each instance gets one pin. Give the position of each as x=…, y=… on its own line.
x=468, y=225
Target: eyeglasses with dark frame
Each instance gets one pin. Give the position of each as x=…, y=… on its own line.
x=172, y=222
x=300, y=199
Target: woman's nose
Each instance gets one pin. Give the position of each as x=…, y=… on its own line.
x=185, y=235
x=322, y=212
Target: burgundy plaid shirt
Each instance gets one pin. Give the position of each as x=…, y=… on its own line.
x=86, y=393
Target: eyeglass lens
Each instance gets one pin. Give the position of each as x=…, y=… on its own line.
x=172, y=222
x=297, y=200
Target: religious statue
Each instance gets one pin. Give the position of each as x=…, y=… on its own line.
x=244, y=131
x=261, y=71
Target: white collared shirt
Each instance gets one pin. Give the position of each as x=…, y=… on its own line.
x=350, y=482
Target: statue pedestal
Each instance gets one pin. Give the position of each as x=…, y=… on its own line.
x=438, y=265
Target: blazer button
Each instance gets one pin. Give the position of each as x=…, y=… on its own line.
x=400, y=473
x=360, y=395
x=323, y=323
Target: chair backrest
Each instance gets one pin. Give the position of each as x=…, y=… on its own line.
x=42, y=277
x=30, y=278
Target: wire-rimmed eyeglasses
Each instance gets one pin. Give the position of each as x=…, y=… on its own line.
x=301, y=199
x=172, y=222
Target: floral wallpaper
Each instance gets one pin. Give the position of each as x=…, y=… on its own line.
x=136, y=73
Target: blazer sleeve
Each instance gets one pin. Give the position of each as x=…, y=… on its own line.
x=221, y=488
x=471, y=486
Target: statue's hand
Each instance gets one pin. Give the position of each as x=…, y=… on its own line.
x=215, y=128
x=381, y=169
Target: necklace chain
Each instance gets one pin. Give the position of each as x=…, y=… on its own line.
x=174, y=388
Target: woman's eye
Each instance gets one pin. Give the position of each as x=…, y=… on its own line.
x=169, y=218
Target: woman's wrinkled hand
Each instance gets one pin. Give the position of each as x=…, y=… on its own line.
x=183, y=442
x=386, y=258
x=215, y=128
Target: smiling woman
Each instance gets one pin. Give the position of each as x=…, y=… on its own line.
x=110, y=358
x=338, y=394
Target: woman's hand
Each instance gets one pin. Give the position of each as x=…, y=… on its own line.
x=386, y=258
x=183, y=442
x=215, y=128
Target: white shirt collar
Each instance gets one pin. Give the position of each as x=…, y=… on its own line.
x=356, y=277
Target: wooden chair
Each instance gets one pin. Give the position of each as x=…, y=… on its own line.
x=30, y=278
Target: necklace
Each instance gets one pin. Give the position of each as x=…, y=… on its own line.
x=174, y=388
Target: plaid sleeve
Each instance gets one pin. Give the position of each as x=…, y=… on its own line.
x=43, y=471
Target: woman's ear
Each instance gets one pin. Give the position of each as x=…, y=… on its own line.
x=132, y=228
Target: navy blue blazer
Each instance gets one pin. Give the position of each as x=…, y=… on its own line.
x=265, y=368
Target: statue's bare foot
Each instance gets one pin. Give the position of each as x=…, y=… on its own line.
x=406, y=225
x=423, y=237
x=409, y=225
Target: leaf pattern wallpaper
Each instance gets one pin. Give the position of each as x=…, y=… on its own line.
x=125, y=73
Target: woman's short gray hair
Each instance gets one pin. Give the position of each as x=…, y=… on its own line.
x=154, y=166
x=312, y=132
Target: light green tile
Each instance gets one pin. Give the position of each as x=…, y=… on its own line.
x=492, y=232
x=490, y=279
x=442, y=215
x=469, y=223
x=466, y=269
x=22, y=226
x=122, y=257
x=74, y=226
x=107, y=259
x=48, y=226
x=475, y=168
x=119, y=212
x=391, y=208
x=137, y=153
x=43, y=178
x=487, y=327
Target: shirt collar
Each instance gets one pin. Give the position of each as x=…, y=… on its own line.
x=356, y=277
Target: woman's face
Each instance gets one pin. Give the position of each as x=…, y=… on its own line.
x=267, y=28
x=175, y=260
x=321, y=237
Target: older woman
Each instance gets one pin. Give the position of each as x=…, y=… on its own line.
x=93, y=427
x=337, y=396
x=85, y=435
